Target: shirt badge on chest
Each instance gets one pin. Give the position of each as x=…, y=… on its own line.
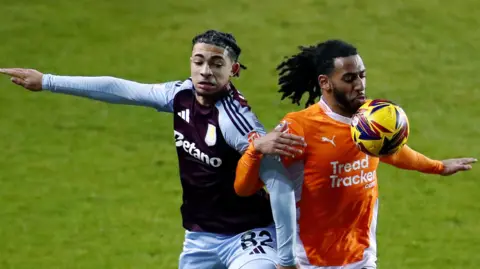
x=211, y=136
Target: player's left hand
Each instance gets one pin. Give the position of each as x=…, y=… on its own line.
x=280, y=143
x=453, y=166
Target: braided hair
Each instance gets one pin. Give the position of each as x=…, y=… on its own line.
x=299, y=73
x=223, y=40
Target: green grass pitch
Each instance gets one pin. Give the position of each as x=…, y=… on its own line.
x=85, y=184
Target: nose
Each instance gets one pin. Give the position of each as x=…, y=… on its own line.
x=206, y=71
x=359, y=85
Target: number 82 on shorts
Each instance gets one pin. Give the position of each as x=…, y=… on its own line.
x=255, y=238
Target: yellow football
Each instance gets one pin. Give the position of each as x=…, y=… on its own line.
x=379, y=128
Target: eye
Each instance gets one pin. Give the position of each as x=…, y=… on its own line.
x=198, y=61
x=349, y=78
x=217, y=64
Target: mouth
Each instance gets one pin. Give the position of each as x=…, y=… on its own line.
x=361, y=97
x=206, y=85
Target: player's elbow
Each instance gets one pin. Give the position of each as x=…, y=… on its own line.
x=244, y=190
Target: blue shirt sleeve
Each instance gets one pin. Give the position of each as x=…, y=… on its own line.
x=282, y=201
x=115, y=90
x=238, y=123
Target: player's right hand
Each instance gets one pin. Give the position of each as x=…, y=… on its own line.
x=30, y=79
x=280, y=143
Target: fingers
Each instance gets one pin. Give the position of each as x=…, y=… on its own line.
x=468, y=160
x=464, y=167
x=284, y=153
x=289, y=149
x=14, y=72
x=18, y=81
x=294, y=139
x=453, y=170
x=290, y=142
x=460, y=168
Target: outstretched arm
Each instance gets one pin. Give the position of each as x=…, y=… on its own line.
x=106, y=89
x=409, y=159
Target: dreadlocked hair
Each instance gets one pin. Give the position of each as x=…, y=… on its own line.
x=221, y=39
x=299, y=73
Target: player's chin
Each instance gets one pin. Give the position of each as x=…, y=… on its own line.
x=207, y=92
x=206, y=89
x=358, y=102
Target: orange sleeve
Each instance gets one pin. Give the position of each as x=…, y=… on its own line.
x=409, y=159
x=247, y=181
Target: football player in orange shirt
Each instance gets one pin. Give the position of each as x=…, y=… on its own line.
x=334, y=183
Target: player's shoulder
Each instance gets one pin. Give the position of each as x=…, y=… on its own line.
x=304, y=121
x=185, y=85
x=236, y=114
x=235, y=99
x=175, y=85
x=300, y=116
x=312, y=113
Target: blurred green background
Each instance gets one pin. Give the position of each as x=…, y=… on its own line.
x=85, y=184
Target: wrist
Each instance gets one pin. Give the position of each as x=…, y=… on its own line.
x=252, y=151
x=46, y=81
x=440, y=167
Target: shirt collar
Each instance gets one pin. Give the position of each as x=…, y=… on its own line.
x=324, y=106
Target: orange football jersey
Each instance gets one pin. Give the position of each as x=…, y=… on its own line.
x=335, y=188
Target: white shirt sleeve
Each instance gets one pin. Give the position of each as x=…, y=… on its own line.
x=116, y=90
x=282, y=200
x=238, y=123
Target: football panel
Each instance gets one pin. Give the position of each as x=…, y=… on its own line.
x=364, y=128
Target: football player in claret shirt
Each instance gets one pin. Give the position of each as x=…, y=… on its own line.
x=212, y=126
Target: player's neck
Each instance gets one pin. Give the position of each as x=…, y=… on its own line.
x=211, y=99
x=336, y=107
x=204, y=100
x=339, y=110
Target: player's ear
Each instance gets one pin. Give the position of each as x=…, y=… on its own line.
x=324, y=82
x=235, y=70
